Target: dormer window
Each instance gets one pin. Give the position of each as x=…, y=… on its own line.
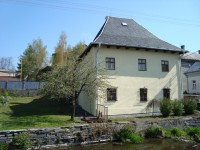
x=124, y=24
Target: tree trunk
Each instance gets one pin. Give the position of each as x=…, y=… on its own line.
x=73, y=111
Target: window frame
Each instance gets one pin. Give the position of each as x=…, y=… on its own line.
x=165, y=65
x=143, y=95
x=110, y=63
x=194, y=84
x=142, y=64
x=110, y=96
x=166, y=93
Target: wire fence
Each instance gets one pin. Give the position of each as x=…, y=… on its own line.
x=21, y=85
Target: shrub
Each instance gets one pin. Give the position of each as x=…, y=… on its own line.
x=165, y=107
x=127, y=133
x=154, y=132
x=4, y=100
x=22, y=141
x=5, y=93
x=192, y=131
x=189, y=106
x=3, y=146
x=176, y=132
x=177, y=107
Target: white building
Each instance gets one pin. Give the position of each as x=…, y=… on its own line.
x=143, y=68
x=187, y=60
x=193, y=79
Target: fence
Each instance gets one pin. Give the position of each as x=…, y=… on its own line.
x=20, y=85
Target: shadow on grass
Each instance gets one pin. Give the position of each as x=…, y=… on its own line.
x=40, y=106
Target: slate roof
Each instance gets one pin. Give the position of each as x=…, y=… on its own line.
x=131, y=35
x=191, y=56
x=194, y=68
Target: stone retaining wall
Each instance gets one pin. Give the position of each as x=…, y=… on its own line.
x=79, y=134
x=90, y=133
x=169, y=123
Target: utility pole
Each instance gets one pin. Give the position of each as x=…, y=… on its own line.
x=21, y=71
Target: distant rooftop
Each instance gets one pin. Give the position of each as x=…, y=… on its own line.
x=191, y=56
x=126, y=32
x=194, y=68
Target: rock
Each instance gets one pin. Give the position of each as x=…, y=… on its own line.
x=196, y=138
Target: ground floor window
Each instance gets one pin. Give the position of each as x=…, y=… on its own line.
x=194, y=86
x=166, y=93
x=111, y=94
x=143, y=94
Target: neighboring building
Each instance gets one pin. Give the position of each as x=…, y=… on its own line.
x=7, y=79
x=143, y=68
x=193, y=79
x=7, y=73
x=187, y=60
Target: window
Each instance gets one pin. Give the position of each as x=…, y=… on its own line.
x=166, y=93
x=110, y=63
x=165, y=65
x=143, y=94
x=142, y=65
x=111, y=94
x=194, y=84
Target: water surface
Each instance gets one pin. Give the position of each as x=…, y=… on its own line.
x=153, y=144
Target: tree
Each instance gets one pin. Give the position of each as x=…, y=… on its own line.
x=76, y=76
x=6, y=63
x=33, y=59
x=60, y=55
x=78, y=49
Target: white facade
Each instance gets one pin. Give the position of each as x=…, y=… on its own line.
x=193, y=82
x=128, y=80
x=6, y=73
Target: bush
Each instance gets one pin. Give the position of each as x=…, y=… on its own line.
x=4, y=100
x=22, y=141
x=177, y=107
x=189, y=106
x=192, y=131
x=165, y=107
x=3, y=146
x=154, y=132
x=176, y=132
x=127, y=133
x=5, y=93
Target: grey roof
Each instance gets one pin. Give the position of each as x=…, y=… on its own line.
x=191, y=56
x=194, y=68
x=130, y=35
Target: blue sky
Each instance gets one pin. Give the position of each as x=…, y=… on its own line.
x=22, y=21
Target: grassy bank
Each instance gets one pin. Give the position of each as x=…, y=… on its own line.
x=33, y=112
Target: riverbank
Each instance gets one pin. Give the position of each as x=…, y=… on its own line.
x=81, y=134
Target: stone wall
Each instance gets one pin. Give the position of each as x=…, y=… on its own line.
x=66, y=136
x=90, y=133
x=169, y=123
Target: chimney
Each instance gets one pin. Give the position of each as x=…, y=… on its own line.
x=183, y=47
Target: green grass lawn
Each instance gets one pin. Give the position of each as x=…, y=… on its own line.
x=33, y=112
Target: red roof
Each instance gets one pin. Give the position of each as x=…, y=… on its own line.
x=9, y=79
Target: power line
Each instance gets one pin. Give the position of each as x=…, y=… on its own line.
x=86, y=7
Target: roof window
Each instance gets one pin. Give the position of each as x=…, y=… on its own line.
x=124, y=24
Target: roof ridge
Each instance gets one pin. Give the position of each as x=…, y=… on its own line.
x=102, y=29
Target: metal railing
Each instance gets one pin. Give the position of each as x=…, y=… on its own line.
x=102, y=112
